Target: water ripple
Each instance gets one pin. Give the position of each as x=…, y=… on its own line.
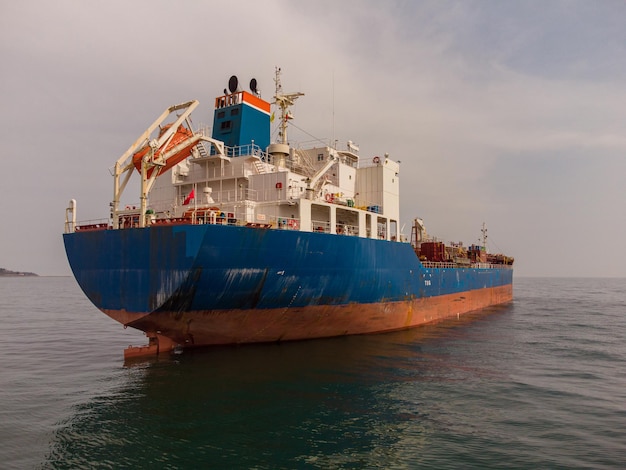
x=536, y=384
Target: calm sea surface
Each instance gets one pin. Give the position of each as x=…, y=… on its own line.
x=539, y=383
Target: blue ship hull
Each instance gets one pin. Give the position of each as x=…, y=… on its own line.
x=183, y=280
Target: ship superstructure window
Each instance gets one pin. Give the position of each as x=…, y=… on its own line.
x=320, y=157
x=225, y=125
x=234, y=112
x=221, y=114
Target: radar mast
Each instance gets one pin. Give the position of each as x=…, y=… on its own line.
x=484, y=237
x=284, y=102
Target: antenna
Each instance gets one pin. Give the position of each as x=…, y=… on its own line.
x=484, y=231
x=333, y=133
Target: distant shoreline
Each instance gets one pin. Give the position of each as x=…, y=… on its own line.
x=8, y=273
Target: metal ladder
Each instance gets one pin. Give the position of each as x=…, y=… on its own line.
x=260, y=167
x=202, y=150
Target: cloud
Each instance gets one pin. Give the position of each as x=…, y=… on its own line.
x=494, y=108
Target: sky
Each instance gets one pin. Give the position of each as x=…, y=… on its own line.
x=511, y=113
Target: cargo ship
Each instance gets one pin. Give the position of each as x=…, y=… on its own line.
x=235, y=238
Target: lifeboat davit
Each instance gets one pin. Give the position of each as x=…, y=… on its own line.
x=178, y=139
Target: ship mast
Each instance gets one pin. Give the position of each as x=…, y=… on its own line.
x=280, y=150
x=284, y=102
x=484, y=237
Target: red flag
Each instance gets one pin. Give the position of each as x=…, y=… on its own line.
x=188, y=199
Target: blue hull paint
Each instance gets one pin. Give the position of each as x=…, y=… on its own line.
x=217, y=267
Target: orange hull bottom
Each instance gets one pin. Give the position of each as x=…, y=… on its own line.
x=166, y=330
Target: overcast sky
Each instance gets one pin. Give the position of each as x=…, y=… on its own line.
x=511, y=113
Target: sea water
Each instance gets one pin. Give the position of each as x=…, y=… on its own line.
x=538, y=383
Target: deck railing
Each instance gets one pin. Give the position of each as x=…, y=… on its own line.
x=89, y=225
x=450, y=265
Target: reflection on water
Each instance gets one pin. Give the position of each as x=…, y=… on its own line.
x=539, y=383
x=535, y=384
x=354, y=401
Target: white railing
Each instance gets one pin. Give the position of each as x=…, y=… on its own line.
x=246, y=150
x=321, y=226
x=93, y=224
x=347, y=229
